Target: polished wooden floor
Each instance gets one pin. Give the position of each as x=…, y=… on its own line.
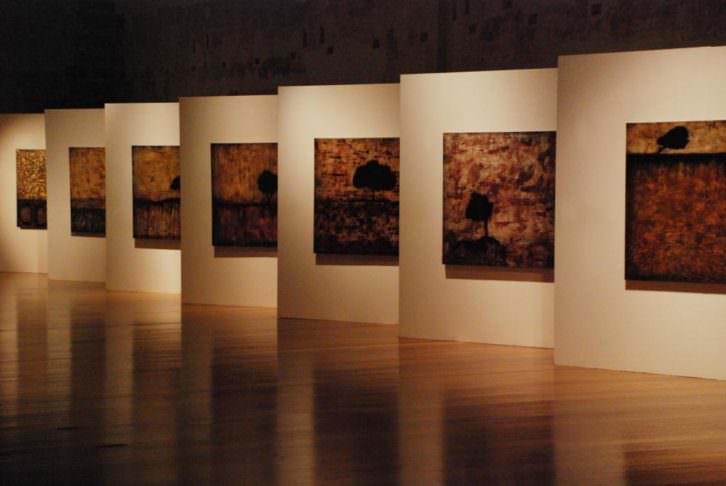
x=125, y=388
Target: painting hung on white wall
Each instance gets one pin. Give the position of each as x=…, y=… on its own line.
x=244, y=194
x=156, y=192
x=88, y=190
x=499, y=199
x=31, y=189
x=356, y=196
x=676, y=202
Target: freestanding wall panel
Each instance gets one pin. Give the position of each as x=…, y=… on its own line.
x=601, y=321
x=20, y=250
x=70, y=257
x=483, y=304
x=136, y=265
x=359, y=289
x=222, y=275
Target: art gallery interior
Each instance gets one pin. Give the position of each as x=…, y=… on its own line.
x=363, y=242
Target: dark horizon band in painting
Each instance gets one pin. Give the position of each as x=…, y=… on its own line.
x=156, y=192
x=356, y=196
x=87, y=166
x=31, y=189
x=244, y=194
x=499, y=199
x=676, y=202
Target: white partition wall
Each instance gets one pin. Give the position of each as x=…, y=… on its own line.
x=224, y=276
x=345, y=288
x=132, y=265
x=469, y=303
x=80, y=258
x=21, y=250
x=600, y=322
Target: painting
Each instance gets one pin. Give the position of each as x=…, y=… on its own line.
x=676, y=202
x=244, y=194
x=156, y=192
x=31, y=187
x=88, y=190
x=356, y=196
x=499, y=199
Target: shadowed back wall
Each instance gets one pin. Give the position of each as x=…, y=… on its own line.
x=83, y=53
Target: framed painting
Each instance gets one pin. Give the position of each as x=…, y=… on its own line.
x=88, y=190
x=244, y=194
x=676, y=202
x=499, y=199
x=156, y=192
x=31, y=189
x=356, y=196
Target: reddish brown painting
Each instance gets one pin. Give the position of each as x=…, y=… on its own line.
x=157, y=192
x=31, y=186
x=499, y=199
x=244, y=194
x=356, y=196
x=676, y=202
x=87, y=167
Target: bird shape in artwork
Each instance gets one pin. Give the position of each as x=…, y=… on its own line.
x=675, y=138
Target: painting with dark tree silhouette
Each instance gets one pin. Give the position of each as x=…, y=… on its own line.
x=88, y=190
x=676, y=202
x=157, y=192
x=31, y=189
x=499, y=199
x=356, y=196
x=244, y=194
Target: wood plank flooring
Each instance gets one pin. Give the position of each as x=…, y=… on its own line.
x=123, y=388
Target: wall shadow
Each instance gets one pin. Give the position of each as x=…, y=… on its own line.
x=240, y=252
x=366, y=260
x=147, y=244
x=691, y=287
x=546, y=275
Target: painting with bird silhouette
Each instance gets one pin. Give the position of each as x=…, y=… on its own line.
x=676, y=202
x=499, y=199
x=156, y=192
x=244, y=194
x=356, y=196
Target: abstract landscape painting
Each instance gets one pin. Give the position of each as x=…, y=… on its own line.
x=499, y=199
x=156, y=190
x=31, y=187
x=244, y=194
x=356, y=196
x=676, y=202
x=88, y=190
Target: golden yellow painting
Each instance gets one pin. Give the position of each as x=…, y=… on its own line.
x=499, y=199
x=31, y=185
x=356, y=196
x=156, y=192
x=88, y=190
x=676, y=202
x=244, y=194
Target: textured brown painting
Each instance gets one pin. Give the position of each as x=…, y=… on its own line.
x=31, y=189
x=356, y=196
x=88, y=190
x=156, y=186
x=676, y=202
x=244, y=194
x=499, y=199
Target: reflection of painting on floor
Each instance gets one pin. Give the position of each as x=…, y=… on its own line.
x=499, y=199
x=31, y=189
x=88, y=190
x=244, y=194
x=676, y=202
x=156, y=187
x=356, y=196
